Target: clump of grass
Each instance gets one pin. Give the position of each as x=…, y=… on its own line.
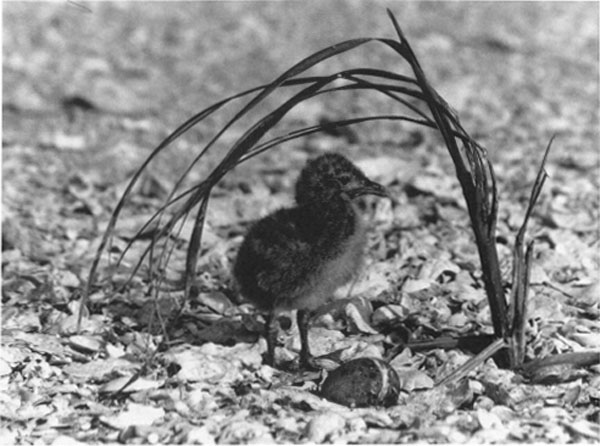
x=473, y=169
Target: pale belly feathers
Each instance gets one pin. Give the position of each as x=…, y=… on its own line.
x=331, y=275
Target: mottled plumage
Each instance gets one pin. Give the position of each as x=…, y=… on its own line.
x=296, y=258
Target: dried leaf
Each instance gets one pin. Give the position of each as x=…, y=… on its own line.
x=214, y=363
x=414, y=285
x=216, y=301
x=240, y=431
x=411, y=380
x=356, y=321
x=585, y=428
x=139, y=384
x=134, y=415
x=99, y=369
x=86, y=344
x=387, y=314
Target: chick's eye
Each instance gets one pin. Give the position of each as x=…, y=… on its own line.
x=344, y=180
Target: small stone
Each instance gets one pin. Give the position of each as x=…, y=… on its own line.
x=324, y=426
x=288, y=424
x=488, y=420
x=483, y=402
x=245, y=432
x=200, y=435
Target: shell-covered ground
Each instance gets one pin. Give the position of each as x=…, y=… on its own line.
x=90, y=88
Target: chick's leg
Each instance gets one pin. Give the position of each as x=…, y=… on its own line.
x=271, y=337
x=306, y=359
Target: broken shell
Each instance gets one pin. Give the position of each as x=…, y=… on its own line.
x=362, y=382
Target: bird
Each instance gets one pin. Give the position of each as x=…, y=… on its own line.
x=295, y=258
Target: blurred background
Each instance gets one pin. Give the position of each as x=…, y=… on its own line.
x=497, y=63
x=89, y=88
